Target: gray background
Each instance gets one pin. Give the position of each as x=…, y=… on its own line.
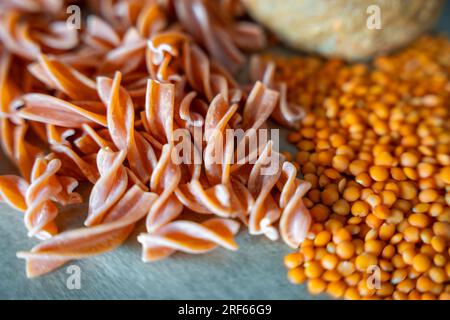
x=255, y=271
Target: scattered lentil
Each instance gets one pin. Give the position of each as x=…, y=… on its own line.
x=375, y=145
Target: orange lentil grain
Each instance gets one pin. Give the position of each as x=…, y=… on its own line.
x=379, y=173
x=418, y=220
x=345, y=249
x=322, y=238
x=316, y=286
x=351, y=194
x=427, y=196
x=293, y=260
x=360, y=208
x=329, y=261
x=364, y=261
x=297, y=275
x=331, y=275
x=381, y=212
x=421, y=263
x=313, y=269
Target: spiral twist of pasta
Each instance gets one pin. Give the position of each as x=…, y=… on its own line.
x=108, y=102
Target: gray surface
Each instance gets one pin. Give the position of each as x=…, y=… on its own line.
x=255, y=271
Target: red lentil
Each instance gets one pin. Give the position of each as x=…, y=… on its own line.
x=375, y=146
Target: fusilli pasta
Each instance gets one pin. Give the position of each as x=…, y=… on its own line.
x=107, y=104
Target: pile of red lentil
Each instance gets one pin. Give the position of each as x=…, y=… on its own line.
x=375, y=145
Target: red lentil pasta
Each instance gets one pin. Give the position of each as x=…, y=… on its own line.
x=102, y=105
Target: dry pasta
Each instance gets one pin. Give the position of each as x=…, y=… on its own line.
x=106, y=104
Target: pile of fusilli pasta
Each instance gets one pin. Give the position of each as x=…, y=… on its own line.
x=101, y=104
